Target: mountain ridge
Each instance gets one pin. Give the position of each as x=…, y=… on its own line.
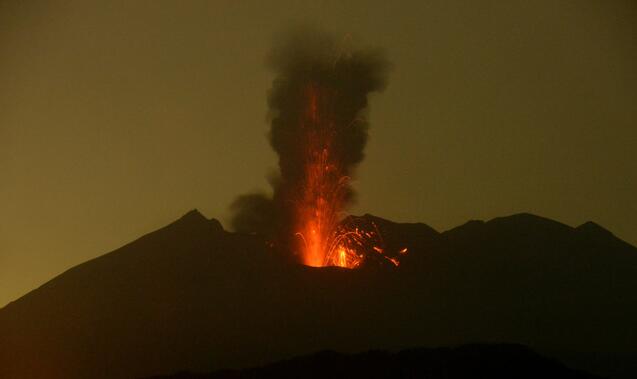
x=193, y=296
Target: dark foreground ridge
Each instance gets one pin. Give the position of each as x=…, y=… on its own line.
x=470, y=361
x=191, y=296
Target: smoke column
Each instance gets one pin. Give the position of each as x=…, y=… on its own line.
x=317, y=110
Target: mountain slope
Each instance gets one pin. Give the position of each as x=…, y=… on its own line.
x=192, y=296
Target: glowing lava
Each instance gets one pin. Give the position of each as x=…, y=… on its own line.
x=318, y=209
x=318, y=129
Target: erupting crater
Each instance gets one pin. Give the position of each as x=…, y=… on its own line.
x=318, y=104
x=324, y=239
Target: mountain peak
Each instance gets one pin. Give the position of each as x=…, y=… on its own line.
x=590, y=227
x=524, y=217
x=529, y=221
x=194, y=217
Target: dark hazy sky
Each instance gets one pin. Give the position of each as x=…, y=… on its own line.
x=116, y=117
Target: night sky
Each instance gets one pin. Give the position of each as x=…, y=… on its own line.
x=118, y=117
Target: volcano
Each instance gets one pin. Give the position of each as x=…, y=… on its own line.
x=192, y=296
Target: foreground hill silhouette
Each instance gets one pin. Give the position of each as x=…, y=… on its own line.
x=471, y=361
x=191, y=296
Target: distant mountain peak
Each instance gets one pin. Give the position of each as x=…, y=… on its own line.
x=525, y=217
x=529, y=221
x=591, y=227
x=194, y=217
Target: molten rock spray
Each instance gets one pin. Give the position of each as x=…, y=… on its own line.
x=318, y=104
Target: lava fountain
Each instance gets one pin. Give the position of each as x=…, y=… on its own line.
x=324, y=189
x=325, y=240
x=318, y=103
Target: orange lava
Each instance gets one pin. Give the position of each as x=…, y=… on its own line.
x=324, y=189
x=324, y=240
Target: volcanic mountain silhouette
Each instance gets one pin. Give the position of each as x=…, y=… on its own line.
x=191, y=296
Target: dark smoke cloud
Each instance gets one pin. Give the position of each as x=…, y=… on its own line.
x=346, y=76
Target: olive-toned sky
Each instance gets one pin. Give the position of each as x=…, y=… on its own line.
x=116, y=117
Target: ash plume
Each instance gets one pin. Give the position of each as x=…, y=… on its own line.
x=317, y=111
